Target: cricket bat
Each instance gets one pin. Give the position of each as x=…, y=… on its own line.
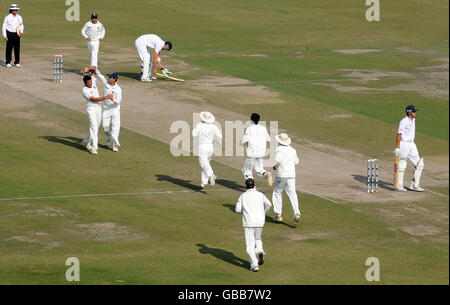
x=396, y=172
x=170, y=77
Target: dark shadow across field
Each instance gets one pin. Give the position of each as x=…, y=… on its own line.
x=381, y=184
x=224, y=255
x=130, y=75
x=69, y=141
x=231, y=185
x=180, y=182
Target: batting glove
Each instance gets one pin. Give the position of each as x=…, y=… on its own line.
x=396, y=151
x=166, y=72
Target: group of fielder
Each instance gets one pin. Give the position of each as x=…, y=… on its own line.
x=253, y=204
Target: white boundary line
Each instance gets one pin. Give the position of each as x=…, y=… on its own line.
x=317, y=195
x=436, y=193
x=94, y=195
x=146, y=193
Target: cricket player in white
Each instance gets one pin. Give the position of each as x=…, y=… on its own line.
x=94, y=111
x=154, y=42
x=407, y=149
x=206, y=132
x=253, y=205
x=94, y=32
x=255, y=139
x=111, y=108
x=286, y=159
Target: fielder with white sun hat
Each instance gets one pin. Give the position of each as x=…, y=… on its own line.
x=12, y=30
x=285, y=161
x=206, y=132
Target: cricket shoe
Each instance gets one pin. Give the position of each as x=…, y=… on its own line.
x=115, y=149
x=17, y=65
x=8, y=66
x=260, y=256
x=277, y=218
x=93, y=152
x=296, y=220
x=416, y=188
x=89, y=147
x=401, y=189
x=255, y=269
x=269, y=178
x=212, y=180
x=146, y=80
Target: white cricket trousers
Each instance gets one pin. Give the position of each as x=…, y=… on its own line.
x=287, y=184
x=145, y=57
x=254, y=163
x=93, y=47
x=111, y=116
x=95, y=118
x=253, y=243
x=205, y=153
x=408, y=150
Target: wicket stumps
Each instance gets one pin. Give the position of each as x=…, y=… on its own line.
x=57, y=68
x=372, y=176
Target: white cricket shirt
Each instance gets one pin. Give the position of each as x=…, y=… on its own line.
x=11, y=23
x=115, y=90
x=256, y=137
x=286, y=159
x=95, y=31
x=407, y=128
x=253, y=205
x=151, y=41
x=89, y=92
x=206, y=133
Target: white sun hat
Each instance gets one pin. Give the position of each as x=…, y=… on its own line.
x=207, y=117
x=14, y=7
x=283, y=139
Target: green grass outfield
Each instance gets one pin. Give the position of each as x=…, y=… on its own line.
x=156, y=238
x=184, y=237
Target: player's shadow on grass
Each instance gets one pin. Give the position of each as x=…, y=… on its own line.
x=130, y=75
x=231, y=185
x=224, y=255
x=270, y=219
x=180, y=182
x=69, y=141
x=381, y=184
x=231, y=207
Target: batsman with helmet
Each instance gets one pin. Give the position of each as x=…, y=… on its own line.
x=407, y=149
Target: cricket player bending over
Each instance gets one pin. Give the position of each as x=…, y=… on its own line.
x=286, y=159
x=111, y=108
x=407, y=149
x=155, y=42
x=255, y=138
x=206, y=131
x=94, y=111
x=253, y=205
x=94, y=32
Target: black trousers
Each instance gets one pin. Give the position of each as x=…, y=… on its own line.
x=12, y=43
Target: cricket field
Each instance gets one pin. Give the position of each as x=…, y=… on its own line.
x=337, y=83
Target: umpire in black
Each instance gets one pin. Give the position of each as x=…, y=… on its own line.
x=12, y=30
